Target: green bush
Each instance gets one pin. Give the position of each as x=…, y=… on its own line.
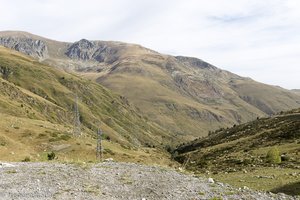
x=5, y=71
x=51, y=155
x=65, y=137
x=273, y=156
x=26, y=159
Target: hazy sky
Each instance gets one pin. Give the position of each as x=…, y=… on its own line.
x=254, y=38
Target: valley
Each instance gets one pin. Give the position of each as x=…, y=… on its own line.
x=185, y=96
x=162, y=112
x=239, y=155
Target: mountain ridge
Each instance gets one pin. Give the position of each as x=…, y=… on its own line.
x=37, y=116
x=184, y=95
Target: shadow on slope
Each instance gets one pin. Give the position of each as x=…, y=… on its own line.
x=290, y=189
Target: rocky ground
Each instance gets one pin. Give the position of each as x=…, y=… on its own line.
x=113, y=180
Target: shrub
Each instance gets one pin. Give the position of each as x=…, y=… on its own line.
x=285, y=157
x=65, y=137
x=174, y=155
x=51, y=156
x=169, y=148
x=273, y=156
x=216, y=198
x=26, y=159
x=5, y=71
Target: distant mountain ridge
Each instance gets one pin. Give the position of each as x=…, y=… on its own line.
x=297, y=91
x=184, y=95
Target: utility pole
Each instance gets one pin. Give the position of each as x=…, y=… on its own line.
x=76, y=126
x=99, y=150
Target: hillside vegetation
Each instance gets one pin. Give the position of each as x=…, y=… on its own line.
x=263, y=154
x=186, y=96
x=36, y=111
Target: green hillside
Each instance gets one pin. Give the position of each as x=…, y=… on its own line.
x=186, y=96
x=262, y=154
x=36, y=109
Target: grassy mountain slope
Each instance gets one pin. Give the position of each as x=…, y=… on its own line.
x=186, y=96
x=36, y=108
x=240, y=153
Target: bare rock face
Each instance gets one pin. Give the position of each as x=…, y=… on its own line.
x=35, y=48
x=86, y=50
x=81, y=50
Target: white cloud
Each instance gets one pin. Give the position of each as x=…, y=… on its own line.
x=259, y=39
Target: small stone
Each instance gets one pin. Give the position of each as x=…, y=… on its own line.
x=211, y=180
x=109, y=160
x=245, y=188
x=6, y=165
x=221, y=184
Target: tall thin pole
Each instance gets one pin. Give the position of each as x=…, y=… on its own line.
x=76, y=127
x=99, y=150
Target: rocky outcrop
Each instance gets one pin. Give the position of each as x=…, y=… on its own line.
x=86, y=50
x=32, y=47
x=81, y=50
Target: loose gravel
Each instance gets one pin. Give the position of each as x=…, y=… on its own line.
x=113, y=181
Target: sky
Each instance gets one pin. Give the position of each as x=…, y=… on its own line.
x=259, y=39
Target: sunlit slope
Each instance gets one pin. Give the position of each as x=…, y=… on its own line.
x=186, y=96
x=246, y=144
x=37, y=103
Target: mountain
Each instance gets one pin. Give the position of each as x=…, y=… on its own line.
x=241, y=153
x=296, y=91
x=37, y=115
x=185, y=96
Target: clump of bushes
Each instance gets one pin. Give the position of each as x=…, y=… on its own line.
x=51, y=156
x=273, y=156
x=5, y=72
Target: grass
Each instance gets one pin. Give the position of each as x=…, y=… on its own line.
x=266, y=179
x=126, y=179
x=94, y=189
x=13, y=171
x=262, y=154
x=216, y=198
x=37, y=118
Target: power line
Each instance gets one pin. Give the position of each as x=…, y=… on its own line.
x=77, y=124
x=99, y=149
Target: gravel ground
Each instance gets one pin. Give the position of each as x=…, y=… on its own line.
x=110, y=181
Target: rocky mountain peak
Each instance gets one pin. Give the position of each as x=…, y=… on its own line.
x=81, y=50
x=91, y=50
x=32, y=47
x=84, y=43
